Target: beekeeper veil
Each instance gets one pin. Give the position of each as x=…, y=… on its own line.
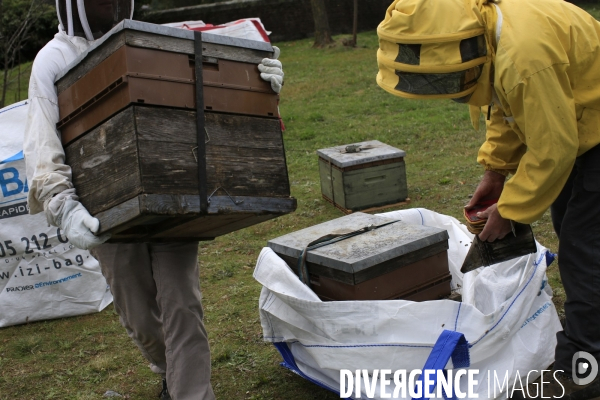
x=92, y=18
x=438, y=49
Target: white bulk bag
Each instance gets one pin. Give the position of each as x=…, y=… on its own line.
x=507, y=317
x=42, y=276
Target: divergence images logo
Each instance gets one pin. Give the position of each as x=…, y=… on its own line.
x=581, y=368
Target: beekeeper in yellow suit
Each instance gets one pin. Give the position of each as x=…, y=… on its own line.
x=537, y=64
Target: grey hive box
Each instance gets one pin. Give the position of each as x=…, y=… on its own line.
x=375, y=176
x=185, y=149
x=395, y=261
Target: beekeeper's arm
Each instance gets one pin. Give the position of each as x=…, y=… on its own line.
x=544, y=110
x=500, y=155
x=47, y=174
x=502, y=150
x=49, y=178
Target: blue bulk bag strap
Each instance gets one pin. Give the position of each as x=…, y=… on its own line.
x=290, y=363
x=288, y=358
x=450, y=344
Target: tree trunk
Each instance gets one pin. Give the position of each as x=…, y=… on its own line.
x=3, y=61
x=322, y=31
x=355, y=23
x=10, y=46
x=4, y=81
x=19, y=79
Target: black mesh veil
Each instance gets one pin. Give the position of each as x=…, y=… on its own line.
x=92, y=18
x=446, y=83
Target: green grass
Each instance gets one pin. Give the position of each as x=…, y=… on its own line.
x=330, y=98
x=16, y=92
x=593, y=9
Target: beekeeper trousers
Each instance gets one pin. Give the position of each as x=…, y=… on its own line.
x=576, y=220
x=157, y=296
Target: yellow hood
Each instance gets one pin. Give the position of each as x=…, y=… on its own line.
x=438, y=27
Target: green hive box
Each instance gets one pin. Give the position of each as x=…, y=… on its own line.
x=363, y=175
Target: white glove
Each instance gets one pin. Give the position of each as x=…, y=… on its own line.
x=272, y=71
x=79, y=226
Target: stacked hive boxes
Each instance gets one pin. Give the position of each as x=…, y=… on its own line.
x=172, y=135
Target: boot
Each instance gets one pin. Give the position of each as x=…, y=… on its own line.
x=164, y=393
x=564, y=388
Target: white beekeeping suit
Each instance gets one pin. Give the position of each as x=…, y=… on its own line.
x=47, y=173
x=155, y=286
x=51, y=189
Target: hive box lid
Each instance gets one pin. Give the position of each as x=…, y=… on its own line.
x=171, y=32
x=374, y=150
x=362, y=251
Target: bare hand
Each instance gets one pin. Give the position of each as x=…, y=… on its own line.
x=489, y=188
x=496, y=227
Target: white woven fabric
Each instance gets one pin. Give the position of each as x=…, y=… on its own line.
x=507, y=316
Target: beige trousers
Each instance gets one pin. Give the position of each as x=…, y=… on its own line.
x=157, y=295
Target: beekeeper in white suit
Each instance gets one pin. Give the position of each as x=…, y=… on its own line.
x=155, y=286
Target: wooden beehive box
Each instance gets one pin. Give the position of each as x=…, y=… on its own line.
x=363, y=175
x=156, y=157
x=395, y=261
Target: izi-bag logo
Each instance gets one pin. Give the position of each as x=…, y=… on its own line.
x=10, y=182
x=11, y=186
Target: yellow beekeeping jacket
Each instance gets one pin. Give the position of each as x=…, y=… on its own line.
x=547, y=103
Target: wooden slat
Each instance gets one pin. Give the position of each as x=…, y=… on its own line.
x=413, y=257
x=254, y=132
x=127, y=211
x=154, y=41
x=105, y=161
x=177, y=45
x=244, y=171
x=375, y=178
x=169, y=168
x=133, y=218
x=339, y=194
x=245, y=155
x=189, y=205
x=324, y=173
x=167, y=124
x=375, y=186
x=105, y=164
x=437, y=269
x=255, y=205
x=370, y=164
x=93, y=59
x=234, y=53
x=169, y=205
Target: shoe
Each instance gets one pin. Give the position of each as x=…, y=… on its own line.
x=563, y=387
x=164, y=393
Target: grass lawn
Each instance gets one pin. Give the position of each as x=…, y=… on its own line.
x=330, y=98
x=15, y=91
